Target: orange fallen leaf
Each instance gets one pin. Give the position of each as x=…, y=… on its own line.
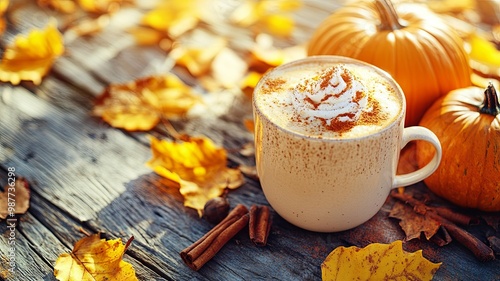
x=4, y=4
x=249, y=125
x=377, y=262
x=95, y=259
x=197, y=166
x=146, y=36
x=15, y=200
x=64, y=6
x=139, y=105
x=31, y=57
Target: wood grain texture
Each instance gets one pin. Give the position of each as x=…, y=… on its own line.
x=87, y=175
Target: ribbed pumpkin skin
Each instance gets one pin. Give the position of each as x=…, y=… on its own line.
x=469, y=173
x=425, y=56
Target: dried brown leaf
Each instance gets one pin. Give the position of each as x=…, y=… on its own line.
x=414, y=224
x=15, y=200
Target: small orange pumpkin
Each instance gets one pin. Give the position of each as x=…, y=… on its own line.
x=424, y=55
x=467, y=123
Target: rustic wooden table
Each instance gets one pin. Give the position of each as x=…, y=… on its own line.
x=86, y=175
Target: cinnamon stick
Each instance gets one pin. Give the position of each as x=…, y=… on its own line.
x=455, y=217
x=205, y=248
x=476, y=246
x=259, y=225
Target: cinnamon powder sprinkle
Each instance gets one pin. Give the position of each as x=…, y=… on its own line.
x=372, y=117
x=273, y=85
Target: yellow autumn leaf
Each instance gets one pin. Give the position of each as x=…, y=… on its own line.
x=4, y=4
x=101, y=6
x=274, y=14
x=451, y=6
x=264, y=55
x=95, y=259
x=281, y=25
x=146, y=36
x=197, y=166
x=484, y=56
x=174, y=17
x=483, y=50
x=377, y=262
x=198, y=59
x=247, y=85
x=30, y=58
x=139, y=105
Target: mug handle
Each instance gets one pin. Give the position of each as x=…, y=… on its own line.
x=419, y=133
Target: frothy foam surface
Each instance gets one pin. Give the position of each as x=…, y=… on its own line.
x=328, y=101
x=333, y=96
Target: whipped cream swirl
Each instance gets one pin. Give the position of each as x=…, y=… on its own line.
x=333, y=95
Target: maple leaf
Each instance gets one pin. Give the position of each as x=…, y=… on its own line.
x=31, y=57
x=95, y=259
x=377, y=262
x=15, y=199
x=196, y=166
x=414, y=224
x=271, y=13
x=139, y=105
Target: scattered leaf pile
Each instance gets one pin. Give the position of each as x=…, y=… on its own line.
x=93, y=259
x=377, y=262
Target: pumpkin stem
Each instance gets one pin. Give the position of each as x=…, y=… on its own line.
x=490, y=104
x=388, y=16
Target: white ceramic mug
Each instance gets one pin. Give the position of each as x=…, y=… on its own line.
x=323, y=183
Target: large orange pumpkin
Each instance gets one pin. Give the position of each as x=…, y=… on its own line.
x=467, y=123
x=424, y=55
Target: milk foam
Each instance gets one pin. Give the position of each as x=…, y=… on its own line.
x=276, y=98
x=335, y=94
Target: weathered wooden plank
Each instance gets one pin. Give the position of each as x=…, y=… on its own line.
x=42, y=234
x=62, y=153
x=88, y=174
